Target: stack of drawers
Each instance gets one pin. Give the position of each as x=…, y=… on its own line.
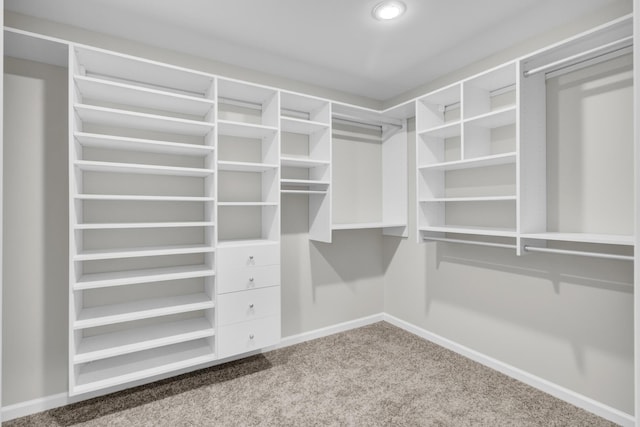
x=248, y=298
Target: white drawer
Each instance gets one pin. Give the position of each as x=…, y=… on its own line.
x=243, y=278
x=250, y=255
x=248, y=336
x=248, y=305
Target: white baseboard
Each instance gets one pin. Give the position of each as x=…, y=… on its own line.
x=50, y=402
x=548, y=387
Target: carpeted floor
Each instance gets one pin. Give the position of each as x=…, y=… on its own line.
x=378, y=375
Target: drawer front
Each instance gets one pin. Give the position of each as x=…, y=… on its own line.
x=245, y=278
x=248, y=336
x=245, y=256
x=238, y=307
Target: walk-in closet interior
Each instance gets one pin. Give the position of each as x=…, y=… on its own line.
x=164, y=211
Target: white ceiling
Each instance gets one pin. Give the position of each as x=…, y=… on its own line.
x=330, y=43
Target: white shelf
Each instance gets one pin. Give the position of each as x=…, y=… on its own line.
x=447, y=130
x=245, y=242
x=478, y=162
x=302, y=162
x=136, y=366
x=115, y=65
x=224, y=165
x=608, y=239
x=303, y=182
x=470, y=199
x=322, y=192
x=480, y=231
x=142, y=198
x=245, y=130
x=93, y=166
x=145, y=145
x=494, y=119
x=301, y=126
x=92, y=255
x=126, y=225
x=123, y=278
x=143, y=309
x=139, y=339
x=127, y=94
x=365, y=225
x=223, y=204
x=143, y=121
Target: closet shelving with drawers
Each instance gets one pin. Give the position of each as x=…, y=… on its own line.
x=467, y=152
x=142, y=239
x=369, y=177
x=305, y=124
x=248, y=163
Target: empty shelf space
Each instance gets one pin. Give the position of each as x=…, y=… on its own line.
x=128, y=94
x=366, y=225
x=143, y=338
x=608, y=239
x=245, y=130
x=135, y=366
x=285, y=191
x=124, y=225
x=142, y=198
x=143, y=309
x=122, y=278
x=477, y=162
x=302, y=162
x=494, y=119
x=470, y=199
x=144, y=145
x=245, y=242
x=94, y=166
x=92, y=255
x=480, y=231
x=223, y=204
x=143, y=121
x=301, y=126
x=447, y=130
x=303, y=182
x=224, y=165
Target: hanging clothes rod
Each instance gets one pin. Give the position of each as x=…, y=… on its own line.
x=351, y=135
x=578, y=253
x=495, y=92
x=359, y=121
x=471, y=242
x=587, y=55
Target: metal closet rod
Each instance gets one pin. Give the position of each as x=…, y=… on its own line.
x=495, y=92
x=358, y=121
x=471, y=242
x=528, y=248
x=587, y=55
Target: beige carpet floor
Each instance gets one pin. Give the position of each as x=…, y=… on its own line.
x=377, y=375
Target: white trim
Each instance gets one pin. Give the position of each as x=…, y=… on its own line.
x=326, y=331
x=548, y=387
x=50, y=402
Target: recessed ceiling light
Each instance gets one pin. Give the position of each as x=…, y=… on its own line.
x=388, y=10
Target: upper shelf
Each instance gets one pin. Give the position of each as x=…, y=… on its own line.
x=606, y=239
x=245, y=130
x=477, y=162
x=138, y=96
x=298, y=162
x=301, y=126
x=134, y=120
x=145, y=145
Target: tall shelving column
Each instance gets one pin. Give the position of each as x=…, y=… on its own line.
x=142, y=225
x=305, y=124
x=248, y=217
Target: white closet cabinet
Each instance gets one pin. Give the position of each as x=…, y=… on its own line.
x=142, y=229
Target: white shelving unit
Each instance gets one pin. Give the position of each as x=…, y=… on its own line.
x=305, y=124
x=467, y=139
x=370, y=168
x=142, y=219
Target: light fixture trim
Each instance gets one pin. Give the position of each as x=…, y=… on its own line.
x=388, y=10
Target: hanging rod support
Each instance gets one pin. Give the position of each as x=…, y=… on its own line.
x=528, y=248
